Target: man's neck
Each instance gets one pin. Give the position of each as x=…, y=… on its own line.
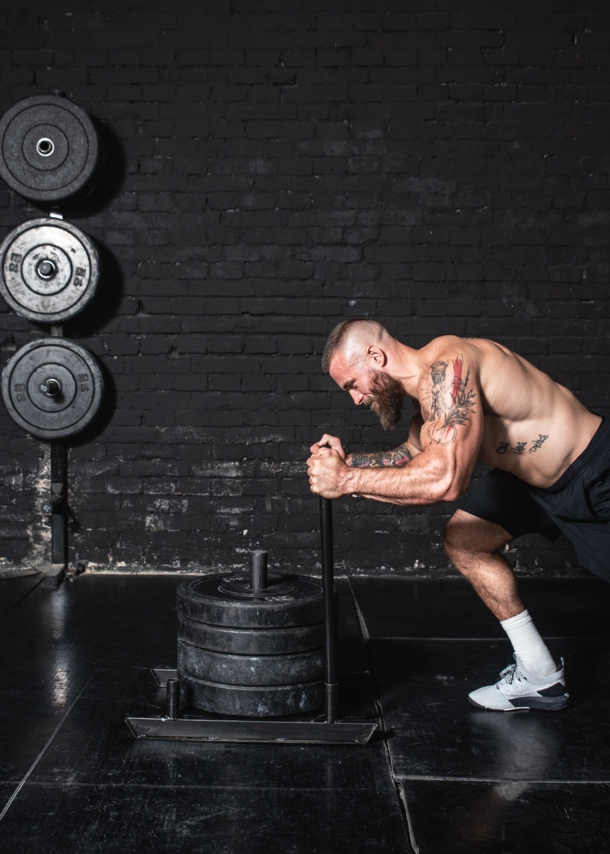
x=406, y=367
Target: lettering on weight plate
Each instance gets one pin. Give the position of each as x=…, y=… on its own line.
x=15, y=259
x=79, y=274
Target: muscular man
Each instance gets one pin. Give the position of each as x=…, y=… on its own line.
x=477, y=400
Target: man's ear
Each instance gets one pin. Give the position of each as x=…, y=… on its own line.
x=376, y=357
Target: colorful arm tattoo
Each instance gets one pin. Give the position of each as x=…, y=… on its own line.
x=400, y=456
x=450, y=401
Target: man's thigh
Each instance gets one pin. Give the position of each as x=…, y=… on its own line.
x=502, y=499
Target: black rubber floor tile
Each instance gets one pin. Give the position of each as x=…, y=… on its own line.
x=434, y=732
x=13, y=590
x=53, y=642
x=87, y=656
x=198, y=820
x=94, y=745
x=513, y=818
x=449, y=608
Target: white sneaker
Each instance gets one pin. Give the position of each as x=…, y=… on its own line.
x=518, y=689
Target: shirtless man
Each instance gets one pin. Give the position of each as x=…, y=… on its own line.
x=477, y=400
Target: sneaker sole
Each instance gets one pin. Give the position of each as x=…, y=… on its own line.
x=547, y=704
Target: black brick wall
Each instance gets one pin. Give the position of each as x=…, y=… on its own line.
x=441, y=166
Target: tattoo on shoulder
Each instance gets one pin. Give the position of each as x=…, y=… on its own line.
x=400, y=456
x=520, y=447
x=449, y=400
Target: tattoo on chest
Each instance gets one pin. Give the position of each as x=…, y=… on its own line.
x=538, y=443
x=449, y=400
x=520, y=447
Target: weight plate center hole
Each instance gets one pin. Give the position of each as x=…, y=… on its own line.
x=51, y=387
x=46, y=269
x=45, y=146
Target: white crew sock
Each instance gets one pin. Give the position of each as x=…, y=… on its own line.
x=528, y=644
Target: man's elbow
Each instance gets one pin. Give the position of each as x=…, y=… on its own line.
x=451, y=490
x=453, y=495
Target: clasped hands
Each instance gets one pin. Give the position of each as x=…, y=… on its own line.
x=327, y=467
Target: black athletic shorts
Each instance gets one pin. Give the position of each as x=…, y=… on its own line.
x=577, y=505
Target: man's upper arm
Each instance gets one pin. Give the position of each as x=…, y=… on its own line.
x=453, y=415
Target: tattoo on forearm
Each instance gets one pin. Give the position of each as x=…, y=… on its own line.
x=521, y=446
x=451, y=402
x=400, y=456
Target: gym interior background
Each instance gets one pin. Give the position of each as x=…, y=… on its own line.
x=274, y=166
x=271, y=169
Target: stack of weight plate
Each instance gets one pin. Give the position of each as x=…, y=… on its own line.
x=251, y=646
x=49, y=269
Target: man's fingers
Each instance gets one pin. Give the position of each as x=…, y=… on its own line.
x=328, y=441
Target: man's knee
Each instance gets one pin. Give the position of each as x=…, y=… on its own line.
x=454, y=540
x=467, y=534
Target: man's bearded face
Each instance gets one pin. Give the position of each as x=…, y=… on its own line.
x=386, y=399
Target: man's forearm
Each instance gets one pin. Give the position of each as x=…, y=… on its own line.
x=426, y=480
x=395, y=458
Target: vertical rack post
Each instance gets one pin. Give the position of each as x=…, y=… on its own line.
x=58, y=498
x=331, y=695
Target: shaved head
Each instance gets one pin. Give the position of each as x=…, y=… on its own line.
x=352, y=338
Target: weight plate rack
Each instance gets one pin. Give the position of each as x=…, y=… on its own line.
x=50, y=153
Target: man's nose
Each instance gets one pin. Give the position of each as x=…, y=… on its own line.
x=356, y=396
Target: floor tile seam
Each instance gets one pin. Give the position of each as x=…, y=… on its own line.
x=21, y=598
x=487, y=640
x=428, y=778
x=199, y=786
x=47, y=745
x=402, y=800
x=460, y=581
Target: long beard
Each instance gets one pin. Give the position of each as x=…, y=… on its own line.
x=386, y=399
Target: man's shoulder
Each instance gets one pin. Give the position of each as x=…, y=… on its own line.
x=447, y=348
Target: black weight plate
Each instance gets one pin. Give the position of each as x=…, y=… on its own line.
x=203, y=600
x=49, y=149
x=49, y=270
x=52, y=388
x=260, y=670
x=251, y=641
x=269, y=702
